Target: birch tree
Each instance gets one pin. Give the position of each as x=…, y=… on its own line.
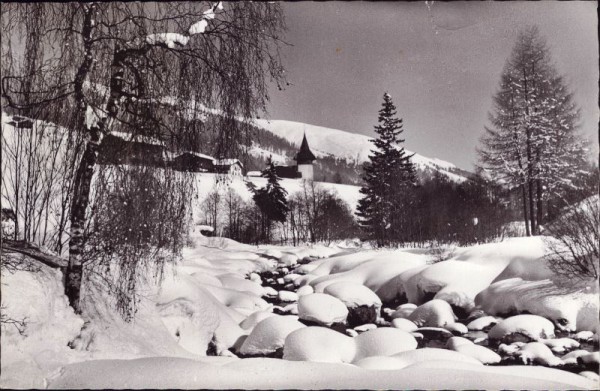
x=102, y=65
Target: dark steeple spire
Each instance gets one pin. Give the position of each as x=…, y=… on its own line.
x=305, y=155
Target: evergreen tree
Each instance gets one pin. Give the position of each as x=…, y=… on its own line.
x=388, y=177
x=271, y=200
x=532, y=145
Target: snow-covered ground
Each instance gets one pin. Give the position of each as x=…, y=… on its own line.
x=231, y=315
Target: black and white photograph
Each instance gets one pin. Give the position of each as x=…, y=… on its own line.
x=306, y=195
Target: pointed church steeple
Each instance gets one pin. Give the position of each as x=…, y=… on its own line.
x=305, y=155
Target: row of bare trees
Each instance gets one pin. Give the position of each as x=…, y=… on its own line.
x=99, y=67
x=315, y=214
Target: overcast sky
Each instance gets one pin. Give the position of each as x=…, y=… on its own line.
x=441, y=64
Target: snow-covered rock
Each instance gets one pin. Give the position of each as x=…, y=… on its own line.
x=481, y=353
x=482, y=323
x=404, y=325
x=572, y=306
x=319, y=344
x=435, y=313
x=457, y=328
x=383, y=342
x=560, y=345
x=255, y=318
x=531, y=326
x=537, y=352
x=454, y=342
x=269, y=335
x=322, y=309
x=305, y=290
x=571, y=357
x=288, y=259
x=353, y=294
x=365, y=327
x=288, y=296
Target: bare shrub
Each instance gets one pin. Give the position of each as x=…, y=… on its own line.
x=575, y=254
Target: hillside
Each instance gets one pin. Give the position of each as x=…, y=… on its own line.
x=348, y=149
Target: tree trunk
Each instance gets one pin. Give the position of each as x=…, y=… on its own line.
x=532, y=209
x=81, y=199
x=524, y=197
x=540, y=214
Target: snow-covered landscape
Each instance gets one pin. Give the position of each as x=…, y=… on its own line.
x=296, y=195
x=231, y=315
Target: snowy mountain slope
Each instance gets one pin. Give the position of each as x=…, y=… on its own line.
x=354, y=148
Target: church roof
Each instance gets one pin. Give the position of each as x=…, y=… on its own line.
x=305, y=155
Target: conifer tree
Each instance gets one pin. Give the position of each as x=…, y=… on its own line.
x=271, y=200
x=532, y=145
x=388, y=177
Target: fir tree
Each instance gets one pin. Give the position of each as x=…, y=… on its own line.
x=388, y=176
x=271, y=200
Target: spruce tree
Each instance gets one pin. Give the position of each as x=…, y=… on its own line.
x=271, y=200
x=388, y=177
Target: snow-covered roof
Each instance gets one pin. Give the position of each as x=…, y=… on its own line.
x=228, y=162
x=198, y=154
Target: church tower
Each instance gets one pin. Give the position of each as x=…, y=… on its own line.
x=304, y=160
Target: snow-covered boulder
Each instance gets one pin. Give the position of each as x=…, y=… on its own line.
x=404, y=325
x=383, y=342
x=454, y=342
x=288, y=259
x=435, y=313
x=288, y=296
x=572, y=357
x=532, y=327
x=365, y=327
x=322, y=309
x=572, y=306
x=482, y=323
x=269, y=335
x=305, y=290
x=537, y=352
x=319, y=344
x=255, y=318
x=362, y=303
x=457, y=328
x=481, y=353
x=403, y=311
x=560, y=345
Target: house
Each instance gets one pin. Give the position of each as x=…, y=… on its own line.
x=126, y=148
x=193, y=162
x=232, y=167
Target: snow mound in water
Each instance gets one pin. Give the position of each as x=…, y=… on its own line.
x=269, y=335
x=537, y=352
x=435, y=313
x=480, y=353
x=560, y=345
x=305, y=290
x=482, y=323
x=383, y=342
x=251, y=321
x=288, y=296
x=325, y=345
x=321, y=308
x=572, y=307
x=532, y=326
x=404, y=325
x=353, y=295
x=319, y=344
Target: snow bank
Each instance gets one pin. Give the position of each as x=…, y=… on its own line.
x=36, y=297
x=319, y=344
x=269, y=335
x=572, y=306
x=263, y=373
x=321, y=308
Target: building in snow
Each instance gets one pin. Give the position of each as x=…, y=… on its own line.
x=193, y=162
x=127, y=148
x=304, y=160
x=231, y=167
